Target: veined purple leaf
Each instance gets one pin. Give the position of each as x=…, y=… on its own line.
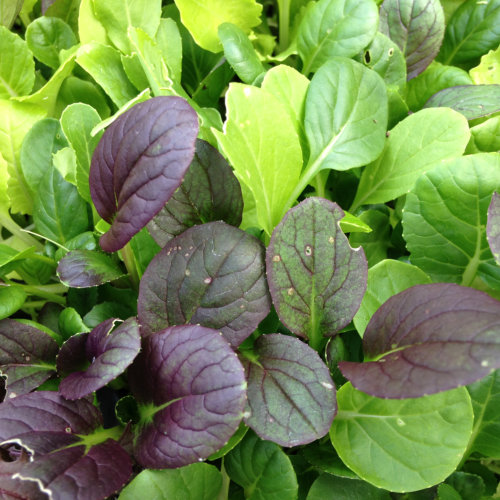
x=315, y=278
x=473, y=101
x=109, y=352
x=417, y=26
x=76, y=473
x=209, y=192
x=191, y=389
x=291, y=395
x=139, y=162
x=428, y=339
x=85, y=268
x=212, y=275
x=27, y=357
x=493, y=226
x=44, y=421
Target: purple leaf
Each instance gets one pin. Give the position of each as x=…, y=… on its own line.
x=74, y=473
x=110, y=353
x=27, y=356
x=428, y=339
x=43, y=421
x=291, y=395
x=493, y=226
x=85, y=268
x=209, y=192
x=316, y=279
x=212, y=275
x=139, y=162
x=192, y=390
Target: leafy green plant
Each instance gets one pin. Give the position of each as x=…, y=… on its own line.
x=250, y=249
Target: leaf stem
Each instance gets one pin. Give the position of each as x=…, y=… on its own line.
x=224, y=490
x=17, y=231
x=128, y=258
x=284, y=24
x=50, y=292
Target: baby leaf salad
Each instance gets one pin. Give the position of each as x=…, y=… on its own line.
x=250, y=249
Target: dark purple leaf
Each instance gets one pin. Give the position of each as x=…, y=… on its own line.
x=110, y=353
x=209, y=192
x=493, y=226
x=291, y=395
x=417, y=27
x=77, y=474
x=44, y=421
x=139, y=162
x=85, y=268
x=27, y=356
x=192, y=390
x=315, y=278
x=428, y=339
x=212, y=275
x=72, y=356
x=473, y=101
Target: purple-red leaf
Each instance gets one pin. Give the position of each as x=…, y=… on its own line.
x=192, y=390
x=139, y=162
x=209, y=192
x=316, y=279
x=213, y=275
x=109, y=352
x=27, y=356
x=291, y=396
x=428, y=339
x=493, y=226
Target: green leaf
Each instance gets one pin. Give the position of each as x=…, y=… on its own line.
x=385, y=279
x=43, y=140
x=335, y=28
x=469, y=486
x=71, y=323
x=444, y=220
x=353, y=224
x=117, y=16
x=67, y=10
x=345, y=116
x=345, y=489
x=17, y=68
x=262, y=469
x=90, y=28
x=485, y=137
x=10, y=258
x=144, y=248
x=473, y=30
x=9, y=9
x=59, y=212
x=203, y=19
x=417, y=26
x=103, y=63
x=11, y=300
x=46, y=37
x=17, y=120
x=192, y=482
x=239, y=52
x=402, y=445
x=447, y=492
x=234, y=440
x=77, y=122
x=485, y=396
x=65, y=162
x=415, y=145
x=169, y=41
x=256, y=128
x=488, y=70
x=436, y=77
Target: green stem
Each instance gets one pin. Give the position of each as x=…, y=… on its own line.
x=128, y=257
x=319, y=183
x=224, y=491
x=16, y=230
x=49, y=292
x=220, y=62
x=284, y=24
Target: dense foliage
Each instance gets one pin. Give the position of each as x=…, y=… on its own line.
x=250, y=249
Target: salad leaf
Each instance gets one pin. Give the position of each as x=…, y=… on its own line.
x=129, y=185
x=488, y=70
x=493, y=226
x=485, y=136
x=9, y=11
x=11, y=300
x=345, y=489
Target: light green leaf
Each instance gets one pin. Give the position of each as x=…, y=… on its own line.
x=385, y=279
x=103, y=63
x=17, y=120
x=415, y=145
x=192, y=482
x=488, y=70
x=263, y=470
x=402, y=445
x=11, y=300
x=46, y=37
x=444, y=221
x=90, y=28
x=77, y=122
x=256, y=130
x=335, y=28
x=485, y=137
x=203, y=19
x=485, y=396
x=17, y=68
x=353, y=224
x=9, y=9
x=345, y=116
x=43, y=140
x=169, y=42
x=117, y=16
x=65, y=162
x=345, y=489
x=67, y=10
